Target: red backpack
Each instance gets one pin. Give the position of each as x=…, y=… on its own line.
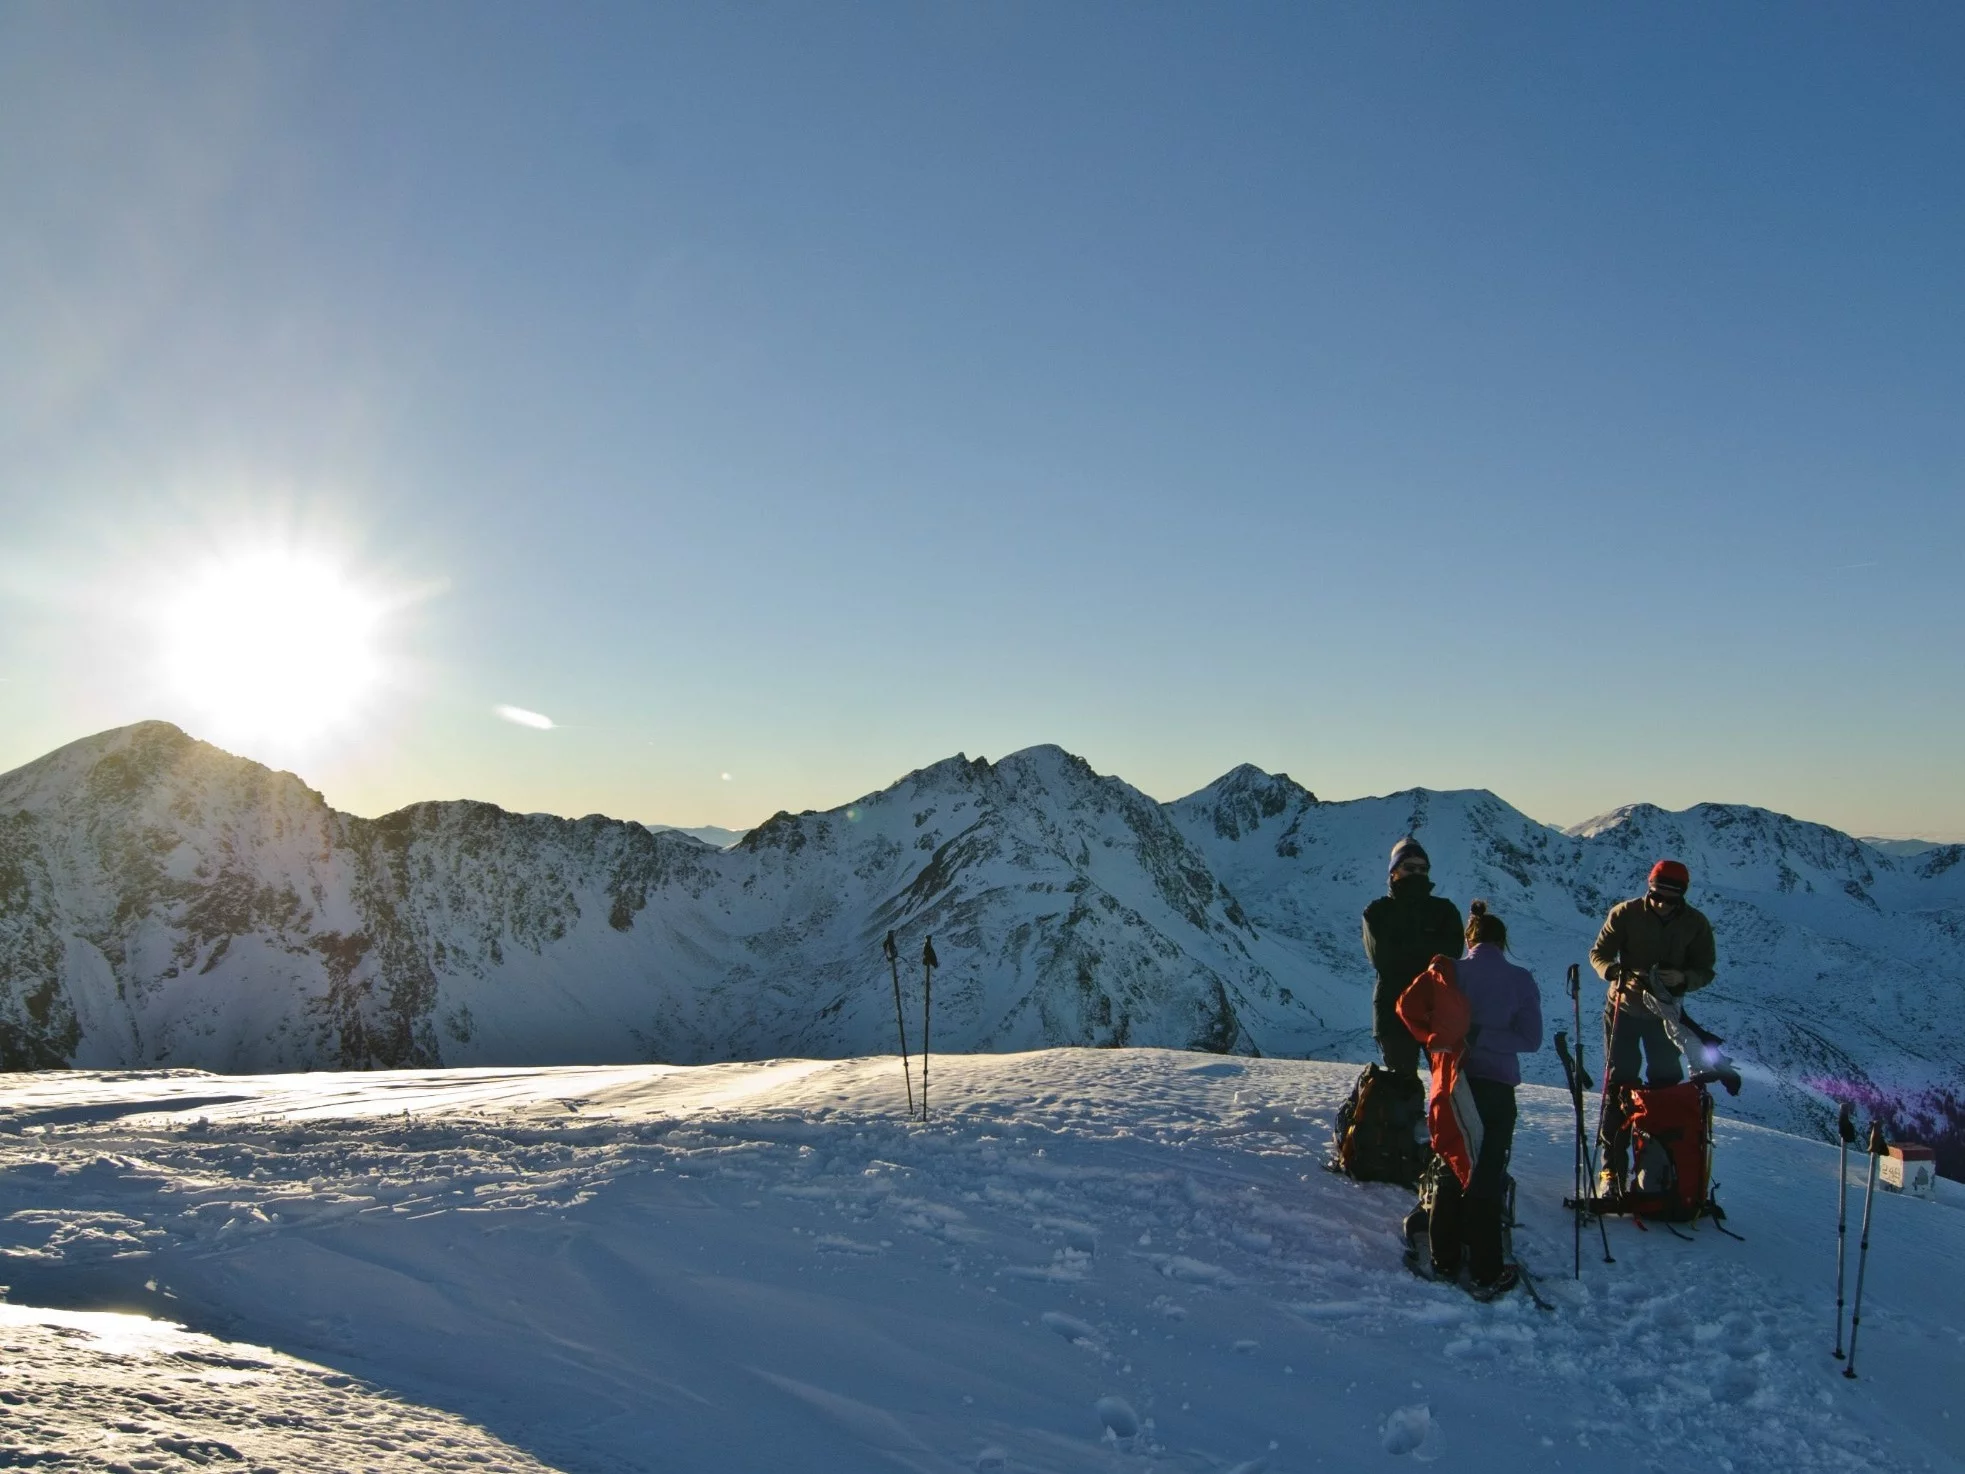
x=1671, y=1152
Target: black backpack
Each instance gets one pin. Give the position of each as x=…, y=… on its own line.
x=1381, y=1130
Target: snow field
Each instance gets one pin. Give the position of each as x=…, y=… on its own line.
x=122, y=1393
x=1088, y=1260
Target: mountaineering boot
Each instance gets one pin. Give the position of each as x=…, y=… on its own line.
x=1415, y=1228
x=1501, y=1284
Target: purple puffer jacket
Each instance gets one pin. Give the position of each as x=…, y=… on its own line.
x=1507, y=1008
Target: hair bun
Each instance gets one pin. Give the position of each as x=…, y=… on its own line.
x=1479, y=908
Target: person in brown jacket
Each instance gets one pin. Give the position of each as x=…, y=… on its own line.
x=1655, y=930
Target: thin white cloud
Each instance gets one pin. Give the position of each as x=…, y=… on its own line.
x=521, y=717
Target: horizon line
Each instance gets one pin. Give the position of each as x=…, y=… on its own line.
x=963, y=757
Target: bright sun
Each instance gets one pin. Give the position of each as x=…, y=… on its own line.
x=273, y=646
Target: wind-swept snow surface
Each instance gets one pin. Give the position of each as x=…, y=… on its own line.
x=94, y=1390
x=1087, y=1260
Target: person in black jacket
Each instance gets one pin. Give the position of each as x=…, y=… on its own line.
x=1404, y=931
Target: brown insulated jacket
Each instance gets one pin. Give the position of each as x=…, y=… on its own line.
x=1636, y=938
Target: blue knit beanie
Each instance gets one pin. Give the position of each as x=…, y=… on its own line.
x=1407, y=847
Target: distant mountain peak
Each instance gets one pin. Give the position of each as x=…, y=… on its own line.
x=1247, y=777
x=123, y=764
x=1244, y=798
x=1048, y=752
x=1278, y=789
x=149, y=736
x=1616, y=818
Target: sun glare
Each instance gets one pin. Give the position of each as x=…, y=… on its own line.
x=273, y=646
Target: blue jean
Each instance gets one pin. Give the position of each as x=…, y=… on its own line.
x=1627, y=1030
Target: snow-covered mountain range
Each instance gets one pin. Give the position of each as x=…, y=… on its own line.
x=165, y=903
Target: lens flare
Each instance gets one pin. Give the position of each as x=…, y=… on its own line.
x=519, y=716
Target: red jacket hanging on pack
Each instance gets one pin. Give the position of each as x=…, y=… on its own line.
x=1438, y=1015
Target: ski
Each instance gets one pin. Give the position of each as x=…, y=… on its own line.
x=1692, y=1041
x=1586, y=1162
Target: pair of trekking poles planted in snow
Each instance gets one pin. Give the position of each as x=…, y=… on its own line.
x=929, y=962
x=1846, y=1129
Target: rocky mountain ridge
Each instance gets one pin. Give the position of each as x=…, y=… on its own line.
x=164, y=903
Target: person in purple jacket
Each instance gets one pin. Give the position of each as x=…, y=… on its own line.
x=1507, y=1021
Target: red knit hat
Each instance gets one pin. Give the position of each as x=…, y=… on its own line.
x=1669, y=875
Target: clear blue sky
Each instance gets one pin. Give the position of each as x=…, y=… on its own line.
x=1560, y=400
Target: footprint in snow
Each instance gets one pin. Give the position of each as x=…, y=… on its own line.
x=1080, y=1236
x=1121, y=1422
x=1069, y=1327
x=1411, y=1430
x=1332, y=1309
x=838, y=1243
x=1194, y=1271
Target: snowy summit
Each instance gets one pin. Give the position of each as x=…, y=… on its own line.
x=1087, y=1260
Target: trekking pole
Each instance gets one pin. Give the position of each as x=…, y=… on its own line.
x=929, y=962
x=1877, y=1147
x=1609, y=1070
x=1579, y=1081
x=1845, y=1127
x=1575, y=980
x=893, y=954
x=1603, y=1111
x=1576, y=1217
x=1576, y=1172
x=1589, y=1157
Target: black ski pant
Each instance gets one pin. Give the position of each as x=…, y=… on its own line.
x=1470, y=1218
x=1627, y=1029
x=1396, y=1045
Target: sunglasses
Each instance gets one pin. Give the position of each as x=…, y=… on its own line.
x=1414, y=867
